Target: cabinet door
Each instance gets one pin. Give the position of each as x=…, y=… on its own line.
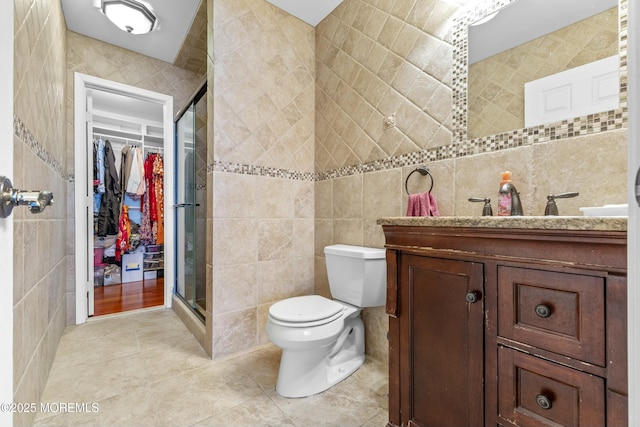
x=441, y=344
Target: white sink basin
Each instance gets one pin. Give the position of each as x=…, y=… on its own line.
x=607, y=210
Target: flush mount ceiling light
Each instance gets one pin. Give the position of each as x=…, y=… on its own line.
x=129, y=15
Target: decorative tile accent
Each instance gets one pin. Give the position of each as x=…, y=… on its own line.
x=592, y=124
x=409, y=159
x=220, y=166
x=21, y=132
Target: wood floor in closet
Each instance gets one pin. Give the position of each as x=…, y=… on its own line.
x=112, y=299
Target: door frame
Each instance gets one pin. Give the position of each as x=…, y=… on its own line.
x=6, y=224
x=84, y=204
x=633, y=228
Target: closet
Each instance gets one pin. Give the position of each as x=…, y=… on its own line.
x=127, y=173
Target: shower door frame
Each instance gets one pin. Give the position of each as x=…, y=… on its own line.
x=180, y=227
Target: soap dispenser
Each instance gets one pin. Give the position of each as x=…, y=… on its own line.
x=504, y=195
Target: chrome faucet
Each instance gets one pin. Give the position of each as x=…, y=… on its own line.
x=516, y=206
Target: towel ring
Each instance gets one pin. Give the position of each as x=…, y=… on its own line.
x=423, y=171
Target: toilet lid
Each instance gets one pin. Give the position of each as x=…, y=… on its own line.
x=304, y=309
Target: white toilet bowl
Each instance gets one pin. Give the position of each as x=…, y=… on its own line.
x=322, y=343
x=322, y=340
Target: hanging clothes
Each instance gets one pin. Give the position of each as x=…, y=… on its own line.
x=98, y=174
x=135, y=175
x=124, y=233
x=126, y=160
x=146, y=234
x=142, y=186
x=158, y=177
x=109, y=214
x=152, y=203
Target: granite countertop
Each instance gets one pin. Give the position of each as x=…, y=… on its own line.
x=528, y=222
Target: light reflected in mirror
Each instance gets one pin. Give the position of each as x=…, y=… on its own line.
x=497, y=75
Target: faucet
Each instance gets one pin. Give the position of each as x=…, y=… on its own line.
x=552, y=208
x=516, y=206
x=486, y=209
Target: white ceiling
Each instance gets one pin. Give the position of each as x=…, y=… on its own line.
x=525, y=20
x=310, y=11
x=174, y=21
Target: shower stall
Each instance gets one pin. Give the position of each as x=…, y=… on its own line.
x=191, y=203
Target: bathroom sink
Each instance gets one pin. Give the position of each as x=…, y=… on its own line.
x=621, y=210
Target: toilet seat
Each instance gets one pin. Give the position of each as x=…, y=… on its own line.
x=305, y=311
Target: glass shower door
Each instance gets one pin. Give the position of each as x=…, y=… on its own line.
x=191, y=203
x=185, y=206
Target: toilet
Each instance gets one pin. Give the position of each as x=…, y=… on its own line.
x=322, y=340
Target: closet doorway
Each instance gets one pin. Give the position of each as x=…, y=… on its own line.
x=123, y=184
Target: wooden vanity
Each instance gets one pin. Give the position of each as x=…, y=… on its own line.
x=515, y=321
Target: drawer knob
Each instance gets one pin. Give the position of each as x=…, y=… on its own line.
x=543, y=310
x=473, y=296
x=543, y=401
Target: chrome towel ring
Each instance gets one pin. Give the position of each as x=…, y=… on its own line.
x=423, y=170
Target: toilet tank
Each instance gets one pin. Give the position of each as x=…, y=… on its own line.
x=357, y=275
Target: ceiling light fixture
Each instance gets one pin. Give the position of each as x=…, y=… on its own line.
x=129, y=15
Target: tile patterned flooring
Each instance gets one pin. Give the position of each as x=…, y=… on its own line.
x=146, y=369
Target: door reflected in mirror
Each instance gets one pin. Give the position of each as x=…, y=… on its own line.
x=501, y=59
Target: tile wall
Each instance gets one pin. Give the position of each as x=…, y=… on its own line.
x=389, y=59
x=262, y=168
x=302, y=157
x=40, y=160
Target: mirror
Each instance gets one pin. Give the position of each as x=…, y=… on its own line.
x=489, y=95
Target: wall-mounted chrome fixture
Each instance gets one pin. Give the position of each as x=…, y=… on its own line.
x=11, y=197
x=130, y=16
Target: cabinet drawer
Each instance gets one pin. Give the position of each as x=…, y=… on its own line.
x=559, y=312
x=536, y=392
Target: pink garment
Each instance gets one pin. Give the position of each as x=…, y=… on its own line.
x=423, y=204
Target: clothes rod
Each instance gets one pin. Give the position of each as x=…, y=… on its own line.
x=137, y=142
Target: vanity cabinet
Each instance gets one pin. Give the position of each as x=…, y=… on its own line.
x=509, y=326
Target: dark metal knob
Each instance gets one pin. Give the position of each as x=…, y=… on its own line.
x=543, y=401
x=543, y=310
x=473, y=296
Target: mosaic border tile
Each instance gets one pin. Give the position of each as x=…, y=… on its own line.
x=410, y=159
x=460, y=146
x=21, y=131
x=585, y=125
x=244, y=169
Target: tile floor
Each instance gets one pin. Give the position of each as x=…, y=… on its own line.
x=146, y=369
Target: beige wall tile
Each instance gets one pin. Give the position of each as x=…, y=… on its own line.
x=235, y=196
x=473, y=180
x=40, y=162
x=235, y=242
x=348, y=197
x=237, y=287
x=234, y=332
x=380, y=194
x=561, y=166
x=275, y=239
